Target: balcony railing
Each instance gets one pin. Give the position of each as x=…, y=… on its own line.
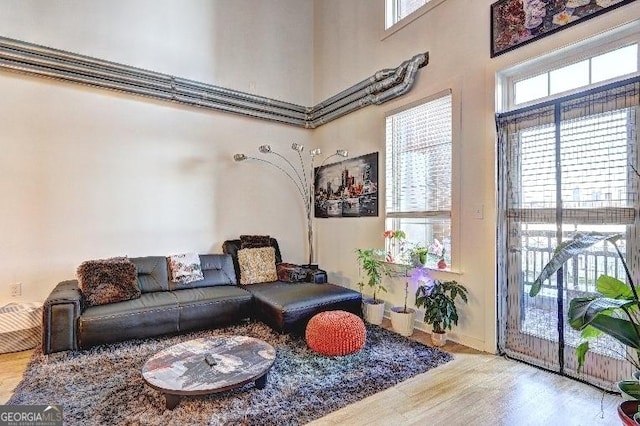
x=579, y=274
x=539, y=315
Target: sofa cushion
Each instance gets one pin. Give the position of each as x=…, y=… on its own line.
x=105, y=281
x=151, y=314
x=185, y=268
x=217, y=270
x=152, y=273
x=204, y=295
x=288, y=307
x=257, y=265
x=210, y=307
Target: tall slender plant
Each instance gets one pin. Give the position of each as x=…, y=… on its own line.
x=615, y=311
x=371, y=262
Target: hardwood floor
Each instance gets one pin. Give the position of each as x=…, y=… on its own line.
x=11, y=368
x=475, y=388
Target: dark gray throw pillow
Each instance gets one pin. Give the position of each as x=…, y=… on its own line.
x=254, y=241
x=105, y=281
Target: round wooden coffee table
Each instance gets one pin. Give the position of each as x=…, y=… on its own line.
x=208, y=365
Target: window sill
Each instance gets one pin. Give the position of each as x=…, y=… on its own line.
x=410, y=18
x=400, y=270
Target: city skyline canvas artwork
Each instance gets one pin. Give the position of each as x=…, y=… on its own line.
x=348, y=188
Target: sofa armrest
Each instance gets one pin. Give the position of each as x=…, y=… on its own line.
x=60, y=318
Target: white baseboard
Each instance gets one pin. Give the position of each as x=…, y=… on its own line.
x=462, y=339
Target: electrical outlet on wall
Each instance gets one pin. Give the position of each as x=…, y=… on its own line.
x=16, y=289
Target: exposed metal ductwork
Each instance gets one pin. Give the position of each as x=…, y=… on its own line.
x=384, y=85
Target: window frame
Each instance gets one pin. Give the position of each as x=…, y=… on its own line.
x=511, y=293
x=584, y=50
x=390, y=7
x=452, y=89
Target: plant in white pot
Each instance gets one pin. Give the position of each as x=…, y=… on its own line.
x=371, y=262
x=401, y=316
x=438, y=299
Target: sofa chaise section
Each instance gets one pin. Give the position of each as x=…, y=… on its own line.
x=288, y=307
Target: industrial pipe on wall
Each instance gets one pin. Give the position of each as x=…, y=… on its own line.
x=32, y=59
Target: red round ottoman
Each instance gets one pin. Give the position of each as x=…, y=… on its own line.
x=336, y=333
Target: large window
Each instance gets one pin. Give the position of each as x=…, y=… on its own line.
x=418, y=172
x=566, y=164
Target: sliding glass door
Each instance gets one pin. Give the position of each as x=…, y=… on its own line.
x=565, y=166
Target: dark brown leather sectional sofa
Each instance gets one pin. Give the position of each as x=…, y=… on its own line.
x=216, y=301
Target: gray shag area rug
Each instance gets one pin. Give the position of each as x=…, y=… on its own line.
x=104, y=386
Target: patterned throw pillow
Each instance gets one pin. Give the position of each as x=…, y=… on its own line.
x=185, y=268
x=257, y=265
x=254, y=241
x=105, y=281
x=291, y=273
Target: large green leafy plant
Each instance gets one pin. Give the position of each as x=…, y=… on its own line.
x=613, y=311
x=371, y=262
x=438, y=298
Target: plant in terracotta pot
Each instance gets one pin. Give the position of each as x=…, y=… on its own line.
x=629, y=412
x=371, y=262
x=438, y=299
x=437, y=252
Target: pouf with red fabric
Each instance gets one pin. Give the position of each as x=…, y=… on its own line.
x=336, y=333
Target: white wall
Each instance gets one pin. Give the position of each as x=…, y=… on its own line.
x=88, y=173
x=348, y=47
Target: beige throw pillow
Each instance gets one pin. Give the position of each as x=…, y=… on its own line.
x=257, y=265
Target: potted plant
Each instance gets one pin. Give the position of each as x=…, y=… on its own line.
x=402, y=317
x=629, y=412
x=612, y=311
x=371, y=261
x=395, y=244
x=418, y=255
x=437, y=252
x=432, y=256
x=438, y=299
